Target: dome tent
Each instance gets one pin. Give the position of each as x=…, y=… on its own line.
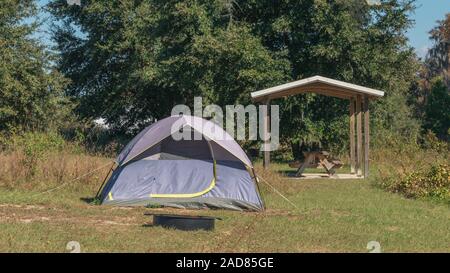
x=207, y=172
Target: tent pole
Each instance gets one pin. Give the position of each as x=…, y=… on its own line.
x=104, y=180
x=255, y=177
x=213, y=158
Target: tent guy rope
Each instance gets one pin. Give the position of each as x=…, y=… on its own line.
x=73, y=180
x=278, y=192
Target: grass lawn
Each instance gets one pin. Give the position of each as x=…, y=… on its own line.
x=332, y=216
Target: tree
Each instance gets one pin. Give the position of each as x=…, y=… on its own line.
x=437, y=114
x=135, y=60
x=131, y=61
x=30, y=91
x=431, y=90
x=438, y=57
x=346, y=40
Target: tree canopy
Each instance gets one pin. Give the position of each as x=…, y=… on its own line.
x=30, y=91
x=131, y=61
x=438, y=57
x=436, y=82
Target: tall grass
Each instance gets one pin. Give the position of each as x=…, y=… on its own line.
x=38, y=162
x=415, y=171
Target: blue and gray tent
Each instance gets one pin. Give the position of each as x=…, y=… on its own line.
x=208, y=169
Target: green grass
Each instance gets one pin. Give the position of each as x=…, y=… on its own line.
x=332, y=216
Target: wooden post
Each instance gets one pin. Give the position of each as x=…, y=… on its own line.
x=266, y=125
x=352, y=135
x=358, y=136
x=366, y=136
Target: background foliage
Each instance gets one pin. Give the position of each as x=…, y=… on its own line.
x=129, y=62
x=31, y=91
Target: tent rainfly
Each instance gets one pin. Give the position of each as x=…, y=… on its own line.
x=156, y=169
x=358, y=96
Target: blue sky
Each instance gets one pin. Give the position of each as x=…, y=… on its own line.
x=425, y=16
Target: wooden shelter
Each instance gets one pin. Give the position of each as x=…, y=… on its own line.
x=358, y=97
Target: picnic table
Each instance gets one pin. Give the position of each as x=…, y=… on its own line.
x=317, y=159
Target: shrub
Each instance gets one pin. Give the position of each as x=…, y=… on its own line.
x=412, y=169
x=34, y=147
x=95, y=139
x=431, y=141
x=431, y=182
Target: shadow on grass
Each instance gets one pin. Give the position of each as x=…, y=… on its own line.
x=91, y=200
x=287, y=173
x=293, y=172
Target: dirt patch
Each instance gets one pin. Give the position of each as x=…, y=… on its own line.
x=392, y=228
x=28, y=214
x=76, y=220
x=340, y=213
x=28, y=207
